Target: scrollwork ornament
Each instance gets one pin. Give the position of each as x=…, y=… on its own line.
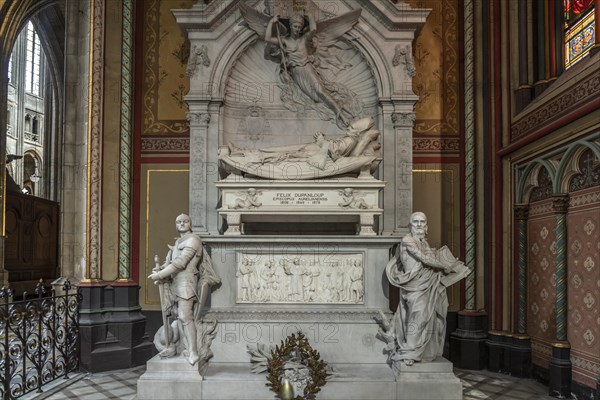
x=296, y=353
x=196, y=118
x=403, y=118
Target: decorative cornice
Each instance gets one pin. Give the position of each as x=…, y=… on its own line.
x=436, y=144
x=403, y=118
x=561, y=104
x=587, y=198
x=295, y=315
x=541, y=208
x=165, y=144
x=560, y=203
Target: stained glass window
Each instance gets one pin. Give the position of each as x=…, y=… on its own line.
x=32, y=63
x=580, y=29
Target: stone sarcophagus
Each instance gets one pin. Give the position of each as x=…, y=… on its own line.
x=263, y=206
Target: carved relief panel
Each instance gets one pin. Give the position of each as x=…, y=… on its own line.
x=302, y=279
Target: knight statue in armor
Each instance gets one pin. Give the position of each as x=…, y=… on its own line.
x=185, y=280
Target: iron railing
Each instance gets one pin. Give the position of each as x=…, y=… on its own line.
x=39, y=339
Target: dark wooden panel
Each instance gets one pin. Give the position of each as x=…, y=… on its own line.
x=31, y=247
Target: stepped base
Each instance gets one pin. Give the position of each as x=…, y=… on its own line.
x=176, y=379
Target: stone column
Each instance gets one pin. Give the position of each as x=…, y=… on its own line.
x=560, y=362
x=521, y=215
x=94, y=142
x=125, y=143
x=402, y=122
x=199, y=119
x=520, y=349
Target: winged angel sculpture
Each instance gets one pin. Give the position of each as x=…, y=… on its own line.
x=306, y=53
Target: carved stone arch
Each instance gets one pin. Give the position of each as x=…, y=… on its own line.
x=531, y=179
x=50, y=27
x=15, y=14
x=380, y=68
x=569, y=164
x=239, y=43
x=227, y=58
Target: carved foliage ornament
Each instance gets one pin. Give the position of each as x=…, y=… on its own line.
x=521, y=211
x=403, y=118
x=560, y=203
x=403, y=55
x=295, y=360
x=198, y=118
x=198, y=57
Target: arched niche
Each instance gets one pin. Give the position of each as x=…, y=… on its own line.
x=253, y=109
x=532, y=179
x=570, y=165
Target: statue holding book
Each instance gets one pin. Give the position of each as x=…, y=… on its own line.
x=417, y=329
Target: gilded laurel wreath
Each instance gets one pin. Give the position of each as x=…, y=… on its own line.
x=295, y=359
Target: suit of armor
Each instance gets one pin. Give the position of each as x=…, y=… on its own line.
x=186, y=276
x=184, y=257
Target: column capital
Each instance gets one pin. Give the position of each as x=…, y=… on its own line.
x=560, y=203
x=198, y=118
x=405, y=119
x=521, y=211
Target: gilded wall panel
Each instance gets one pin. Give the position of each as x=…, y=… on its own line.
x=437, y=194
x=436, y=56
x=165, y=55
x=164, y=190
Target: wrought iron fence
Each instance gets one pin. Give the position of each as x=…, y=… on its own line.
x=39, y=339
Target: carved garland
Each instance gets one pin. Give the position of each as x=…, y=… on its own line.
x=308, y=357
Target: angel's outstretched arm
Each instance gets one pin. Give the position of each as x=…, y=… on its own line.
x=269, y=33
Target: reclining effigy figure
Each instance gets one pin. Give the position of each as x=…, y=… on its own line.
x=357, y=151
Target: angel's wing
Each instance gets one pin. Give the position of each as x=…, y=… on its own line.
x=330, y=31
x=258, y=21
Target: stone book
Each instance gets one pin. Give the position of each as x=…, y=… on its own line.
x=459, y=269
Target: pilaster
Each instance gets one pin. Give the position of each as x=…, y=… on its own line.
x=402, y=119
x=200, y=168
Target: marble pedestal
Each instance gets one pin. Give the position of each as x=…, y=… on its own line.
x=176, y=379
